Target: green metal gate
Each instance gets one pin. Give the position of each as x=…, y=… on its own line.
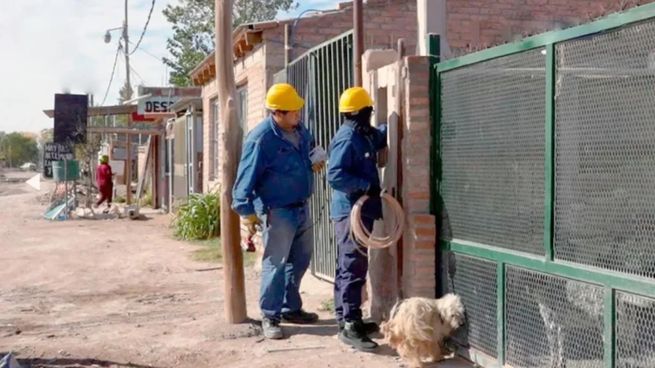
x=320, y=75
x=545, y=184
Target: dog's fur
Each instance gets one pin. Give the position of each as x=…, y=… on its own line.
x=417, y=327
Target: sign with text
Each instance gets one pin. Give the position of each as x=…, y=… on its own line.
x=158, y=100
x=70, y=118
x=55, y=152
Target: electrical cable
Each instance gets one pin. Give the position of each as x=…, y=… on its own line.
x=145, y=27
x=111, y=78
x=395, y=218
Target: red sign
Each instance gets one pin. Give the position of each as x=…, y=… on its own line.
x=139, y=117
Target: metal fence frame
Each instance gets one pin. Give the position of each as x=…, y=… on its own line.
x=320, y=75
x=612, y=282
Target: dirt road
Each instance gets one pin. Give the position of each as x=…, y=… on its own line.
x=121, y=293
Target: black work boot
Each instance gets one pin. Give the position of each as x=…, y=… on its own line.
x=300, y=317
x=353, y=334
x=369, y=328
x=272, y=329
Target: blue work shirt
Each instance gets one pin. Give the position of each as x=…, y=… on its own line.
x=272, y=172
x=352, y=166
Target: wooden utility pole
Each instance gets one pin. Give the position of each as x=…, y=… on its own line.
x=128, y=162
x=126, y=37
x=358, y=38
x=235, y=299
x=287, y=46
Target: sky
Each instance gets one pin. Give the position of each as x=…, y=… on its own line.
x=57, y=46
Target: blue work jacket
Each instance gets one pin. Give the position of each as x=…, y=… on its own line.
x=272, y=173
x=352, y=166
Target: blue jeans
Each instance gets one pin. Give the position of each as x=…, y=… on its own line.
x=352, y=266
x=288, y=245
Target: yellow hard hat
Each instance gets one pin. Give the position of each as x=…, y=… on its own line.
x=104, y=159
x=354, y=99
x=283, y=97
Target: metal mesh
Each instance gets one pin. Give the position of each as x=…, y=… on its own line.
x=552, y=322
x=635, y=331
x=605, y=150
x=492, y=152
x=474, y=280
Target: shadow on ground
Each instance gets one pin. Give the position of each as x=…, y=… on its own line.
x=74, y=363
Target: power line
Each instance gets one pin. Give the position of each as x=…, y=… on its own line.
x=149, y=53
x=111, y=78
x=145, y=27
x=137, y=74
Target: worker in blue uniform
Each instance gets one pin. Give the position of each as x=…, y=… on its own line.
x=353, y=173
x=274, y=182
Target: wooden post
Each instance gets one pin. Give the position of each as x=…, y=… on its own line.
x=235, y=300
x=358, y=39
x=156, y=172
x=287, y=46
x=128, y=163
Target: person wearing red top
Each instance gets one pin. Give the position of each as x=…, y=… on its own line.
x=104, y=181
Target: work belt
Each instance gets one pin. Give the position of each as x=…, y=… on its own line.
x=291, y=206
x=296, y=205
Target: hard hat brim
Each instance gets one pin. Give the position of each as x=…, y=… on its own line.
x=297, y=104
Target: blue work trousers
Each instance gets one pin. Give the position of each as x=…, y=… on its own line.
x=288, y=244
x=352, y=266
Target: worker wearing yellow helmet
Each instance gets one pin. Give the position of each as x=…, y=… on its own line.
x=353, y=173
x=274, y=182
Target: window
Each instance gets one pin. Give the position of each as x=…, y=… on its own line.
x=242, y=95
x=214, y=139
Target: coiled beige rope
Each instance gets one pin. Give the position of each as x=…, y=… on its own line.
x=394, y=220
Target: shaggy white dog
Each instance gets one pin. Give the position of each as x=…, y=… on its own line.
x=417, y=327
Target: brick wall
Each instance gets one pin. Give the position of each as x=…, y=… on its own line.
x=209, y=93
x=249, y=71
x=474, y=24
x=419, y=239
x=385, y=21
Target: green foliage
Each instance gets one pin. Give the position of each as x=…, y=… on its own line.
x=198, y=218
x=18, y=149
x=146, y=200
x=193, y=30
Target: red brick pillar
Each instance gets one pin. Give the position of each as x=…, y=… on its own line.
x=419, y=240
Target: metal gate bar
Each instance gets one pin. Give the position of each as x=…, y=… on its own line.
x=320, y=75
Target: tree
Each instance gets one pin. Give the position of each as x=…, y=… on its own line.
x=125, y=93
x=18, y=149
x=2, y=153
x=193, y=30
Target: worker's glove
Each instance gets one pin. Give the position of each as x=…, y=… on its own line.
x=318, y=167
x=251, y=222
x=373, y=205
